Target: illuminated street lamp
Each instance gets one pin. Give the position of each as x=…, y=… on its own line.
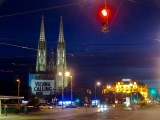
x=97, y=84
x=71, y=90
x=61, y=74
x=108, y=89
x=18, y=89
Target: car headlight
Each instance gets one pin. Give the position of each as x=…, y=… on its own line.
x=105, y=106
x=101, y=106
x=98, y=105
x=50, y=107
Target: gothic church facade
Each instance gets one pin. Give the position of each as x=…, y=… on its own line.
x=46, y=79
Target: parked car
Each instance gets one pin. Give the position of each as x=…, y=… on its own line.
x=45, y=106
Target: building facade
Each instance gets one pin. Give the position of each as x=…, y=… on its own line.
x=127, y=86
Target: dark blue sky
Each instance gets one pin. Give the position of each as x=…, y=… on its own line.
x=130, y=50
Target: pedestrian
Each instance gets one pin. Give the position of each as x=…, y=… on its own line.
x=17, y=109
x=5, y=110
x=25, y=110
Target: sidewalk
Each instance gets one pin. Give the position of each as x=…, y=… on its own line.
x=50, y=114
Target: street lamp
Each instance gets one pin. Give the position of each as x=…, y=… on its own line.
x=62, y=74
x=131, y=92
x=71, y=90
x=98, y=83
x=18, y=89
x=108, y=90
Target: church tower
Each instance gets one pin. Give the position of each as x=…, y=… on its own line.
x=51, y=66
x=61, y=58
x=41, y=63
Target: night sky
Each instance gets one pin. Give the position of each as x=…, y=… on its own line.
x=130, y=50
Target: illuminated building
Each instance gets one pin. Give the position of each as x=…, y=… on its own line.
x=44, y=79
x=127, y=86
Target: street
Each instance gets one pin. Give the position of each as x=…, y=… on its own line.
x=151, y=112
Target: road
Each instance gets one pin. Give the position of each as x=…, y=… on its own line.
x=151, y=112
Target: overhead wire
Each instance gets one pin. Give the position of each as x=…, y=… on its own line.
x=116, y=12
x=66, y=43
x=24, y=47
x=42, y=9
x=144, y=3
x=89, y=16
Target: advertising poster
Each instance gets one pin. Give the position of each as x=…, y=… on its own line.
x=43, y=86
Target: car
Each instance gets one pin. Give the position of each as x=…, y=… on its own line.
x=102, y=105
x=71, y=106
x=60, y=106
x=45, y=106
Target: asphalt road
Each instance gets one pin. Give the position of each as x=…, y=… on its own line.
x=151, y=112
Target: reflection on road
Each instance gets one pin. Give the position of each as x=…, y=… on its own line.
x=101, y=109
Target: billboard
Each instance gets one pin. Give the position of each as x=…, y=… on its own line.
x=41, y=86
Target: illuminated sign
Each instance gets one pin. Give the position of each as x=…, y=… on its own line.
x=41, y=86
x=44, y=86
x=126, y=79
x=128, y=102
x=24, y=101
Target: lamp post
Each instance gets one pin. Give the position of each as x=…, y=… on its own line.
x=71, y=90
x=18, y=89
x=98, y=83
x=108, y=89
x=131, y=92
x=62, y=74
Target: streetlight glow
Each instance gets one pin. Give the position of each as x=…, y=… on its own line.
x=60, y=73
x=98, y=83
x=67, y=74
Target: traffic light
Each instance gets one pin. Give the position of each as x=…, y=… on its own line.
x=153, y=91
x=77, y=100
x=135, y=100
x=104, y=14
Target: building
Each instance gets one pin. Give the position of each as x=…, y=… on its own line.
x=126, y=86
x=45, y=79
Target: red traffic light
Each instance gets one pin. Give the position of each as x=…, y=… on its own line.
x=104, y=12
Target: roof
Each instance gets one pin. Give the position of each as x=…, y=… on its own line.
x=10, y=97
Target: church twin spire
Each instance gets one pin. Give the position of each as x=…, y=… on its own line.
x=61, y=35
x=41, y=63
x=42, y=32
